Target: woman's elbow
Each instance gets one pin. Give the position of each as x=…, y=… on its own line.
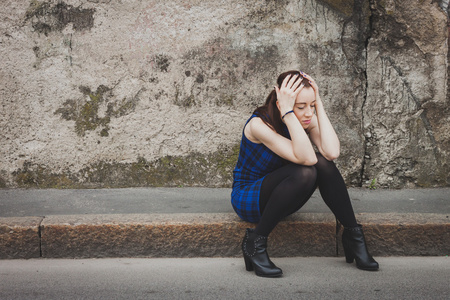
x=311, y=161
x=332, y=156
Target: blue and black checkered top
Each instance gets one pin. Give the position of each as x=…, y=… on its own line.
x=254, y=163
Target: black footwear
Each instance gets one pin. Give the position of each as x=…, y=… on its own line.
x=255, y=255
x=355, y=249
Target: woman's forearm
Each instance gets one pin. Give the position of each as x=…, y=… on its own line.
x=301, y=144
x=328, y=138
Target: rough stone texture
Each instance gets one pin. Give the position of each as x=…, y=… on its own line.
x=19, y=237
x=212, y=235
x=165, y=235
x=304, y=235
x=177, y=235
x=155, y=93
x=405, y=234
x=406, y=114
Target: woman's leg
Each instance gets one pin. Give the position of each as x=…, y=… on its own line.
x=334, y=191
x=283, y=192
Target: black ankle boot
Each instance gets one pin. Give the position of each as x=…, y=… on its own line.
x=355, y=248
x=255, y=255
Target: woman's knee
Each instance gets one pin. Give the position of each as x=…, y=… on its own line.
x=304, y=174
x=324, y=164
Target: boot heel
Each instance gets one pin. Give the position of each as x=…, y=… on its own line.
x=349, y=257
x=355, y=249
x=254, y=250
x=248, y=263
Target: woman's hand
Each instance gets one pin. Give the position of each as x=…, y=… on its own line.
x=287, y=93
x=314, y=86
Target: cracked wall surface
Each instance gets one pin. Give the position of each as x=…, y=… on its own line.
x=406, y=115
x=109, y=93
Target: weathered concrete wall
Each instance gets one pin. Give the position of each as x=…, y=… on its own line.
x=108, y=93
x=406, y=115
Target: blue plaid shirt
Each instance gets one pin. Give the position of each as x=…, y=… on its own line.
x=254, y=163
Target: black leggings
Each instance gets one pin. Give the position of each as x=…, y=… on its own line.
x=286, y=190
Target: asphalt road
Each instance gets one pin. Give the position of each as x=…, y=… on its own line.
x=223, y=278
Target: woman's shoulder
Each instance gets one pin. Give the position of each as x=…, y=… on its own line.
x=257, y=131
x=253, y=125
x=256, y=122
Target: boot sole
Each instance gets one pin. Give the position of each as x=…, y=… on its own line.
x=368, y=269
x=269, y=276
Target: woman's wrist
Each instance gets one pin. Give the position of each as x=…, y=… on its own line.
x=285, y=109
x=286, y=113
x=319, y=100
x=320, y=107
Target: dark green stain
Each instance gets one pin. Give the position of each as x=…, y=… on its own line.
x=47, y=17
x=38, y=176
x=85, y=111
x=2, y=183
x=344, y=7
x=195, y=169
x=225, y=100
x=162, y=62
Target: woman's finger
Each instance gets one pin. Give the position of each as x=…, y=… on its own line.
x=311, y=81
x=285, y=81
x=309, y=78
x=292, y=81
x=277, y=91
x=304, y=74
x=300, y=87
x=296, y=84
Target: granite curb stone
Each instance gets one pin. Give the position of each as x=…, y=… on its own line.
x=406, y=234
x=20, y=237
x=213, y=235
x=179, y=235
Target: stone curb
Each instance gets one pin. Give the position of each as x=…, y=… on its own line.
x=20, y=237
x=213, y=235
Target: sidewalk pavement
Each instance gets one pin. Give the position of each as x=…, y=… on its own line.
x=412, y=278
x=200, y=222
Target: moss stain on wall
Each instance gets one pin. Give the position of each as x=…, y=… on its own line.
x=85, y=111
x=196, y=169
x=344, y=7
x=38, y=176
x=2, y=182
x=46, y=17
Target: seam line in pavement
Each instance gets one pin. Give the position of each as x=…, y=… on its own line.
x=40, y=236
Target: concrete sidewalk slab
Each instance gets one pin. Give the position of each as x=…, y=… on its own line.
x=45, y=202
x=404, y=278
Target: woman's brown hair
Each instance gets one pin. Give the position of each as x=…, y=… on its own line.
x=269, y=112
